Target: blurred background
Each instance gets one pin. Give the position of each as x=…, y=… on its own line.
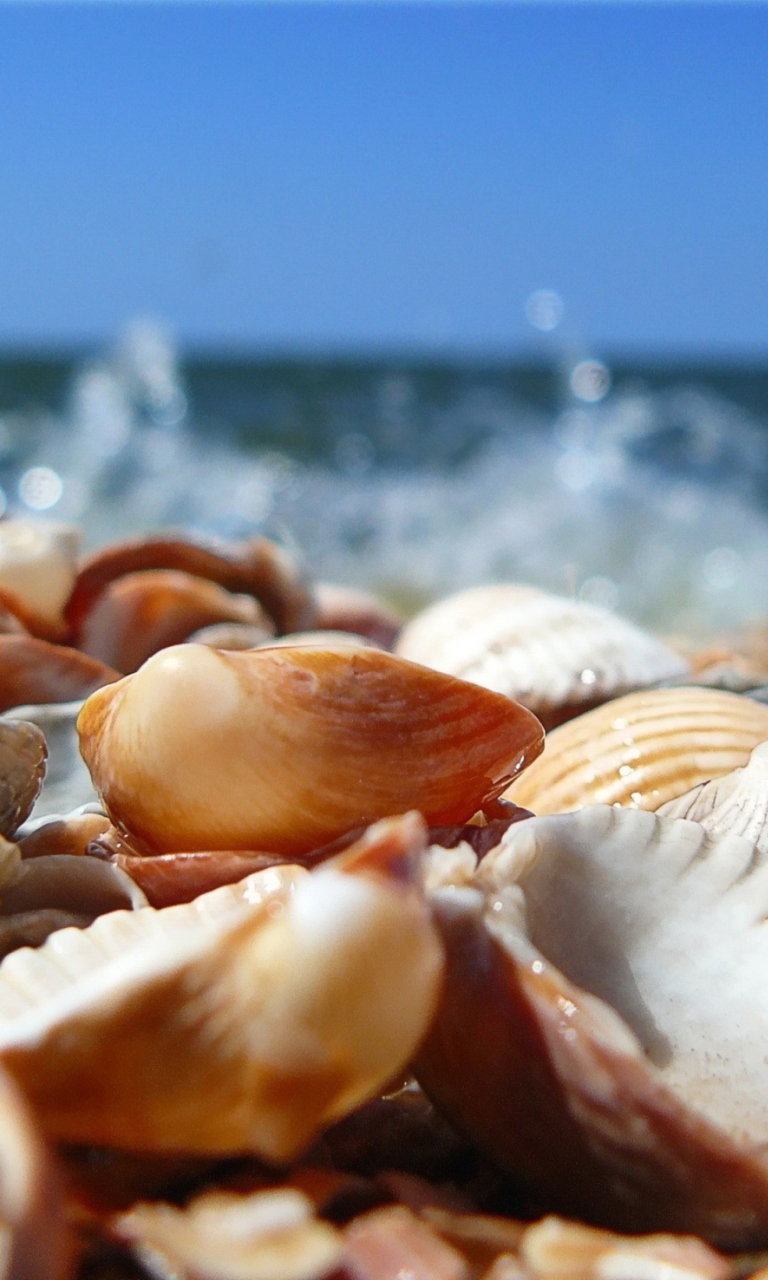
x=437, y=293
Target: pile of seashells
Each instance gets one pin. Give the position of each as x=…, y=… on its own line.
x=337, y=947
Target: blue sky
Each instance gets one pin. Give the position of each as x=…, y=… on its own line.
x=367, y=175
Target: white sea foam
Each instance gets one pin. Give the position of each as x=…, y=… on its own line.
x=597, y=502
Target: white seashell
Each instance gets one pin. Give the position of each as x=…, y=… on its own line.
x=613, y=1003
x=736, y=804
x=549, y=653
x=240, y=1022
x=38, y=562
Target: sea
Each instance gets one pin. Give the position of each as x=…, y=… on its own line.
x=639, y=485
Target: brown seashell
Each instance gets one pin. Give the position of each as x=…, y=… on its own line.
x=627, y=1084
x=37, y=572
x=256, y=566
x=35, y=1240
x=171, y=878
x=642, y=750
x=284, y=749
x=267, y=1235
x=557, y=657
x=34, y=671
x=65, y=835
x=735, y=804
x=86, y=887
x=241, y=1022
x=23, y=759
x=33, y=928
x=140, y=613
x=349, y=609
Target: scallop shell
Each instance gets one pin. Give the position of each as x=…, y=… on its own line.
x=23, y=761
x=736, y=803
x=241, y=1022
x=142, y=613
x=284, y=749
x=642, y=750
x=556, y=656
x=37, y=563
x=605, y=982
x=256, y=566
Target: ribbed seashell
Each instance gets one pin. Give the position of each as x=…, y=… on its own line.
x=256, y=566
x=556, y=656
x=642, y=750
x=241, y=1022
x=267, y=1235
x=35, y=1241
x=34, y=671
x=284, y=749
x=606, y=983
x=23, y=761
x=141, y=613
x=735, y=804
x=37, y=563
x=67, y=783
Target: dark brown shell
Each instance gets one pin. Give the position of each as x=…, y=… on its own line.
x=23, y=759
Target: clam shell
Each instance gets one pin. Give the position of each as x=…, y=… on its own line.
x=141, y=613
x=554, y=655
x=736, y=803
x=67, y=783
x=284, y=749
x=241, y=1022
x=37, y=564
x=87, y=887
x=642, y=750
x=23, y=760
x=605, y=982
x=256, y=566
x=66, y=834
x=34, y=671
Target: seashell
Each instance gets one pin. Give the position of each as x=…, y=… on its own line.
x=86, y=887
x=37, y=565
x=349, y=609
x=241, y=1022
x=220, y=1235
x=67, y=783
x=735, y=804
x=232, y=635
x=605, y=982
x=557, y=657
x=23, y=759
x=256, y=566
x=393, y=1241
x=642, y=750
x=556, y=1249
x=34, y=671
x=35, y=1239
x=284, y=749
x=63, y=835
x=319, y=640
x=140, y=613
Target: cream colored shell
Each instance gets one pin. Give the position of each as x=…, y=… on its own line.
x=38, y=561
x=540, y=649
x=736, y=803
x=642, y=750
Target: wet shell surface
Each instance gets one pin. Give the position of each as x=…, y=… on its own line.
x=554, y=655
x=288, y=1000
x=605, y=982
x=642, y=750
x=284, y=749
x=23, y=762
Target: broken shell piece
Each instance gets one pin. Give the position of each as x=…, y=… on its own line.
x=642, y=750
x=268, y=1235
x=34, y=1242
x=241, y=1022
x=285, y=749
x=23, y=760
x=735, y=804
x=67, y=784
x=605, y=981
x=556, y=1249
x=256, y=566
x=37, y=563
x=34, y=671
x=556, y=656
x=142, y=613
